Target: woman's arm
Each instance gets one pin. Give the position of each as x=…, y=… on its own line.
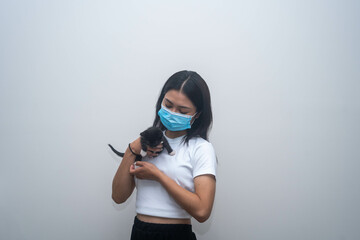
x=123, y=183
x=198, y=204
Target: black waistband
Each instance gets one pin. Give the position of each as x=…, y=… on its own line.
x=160, y=227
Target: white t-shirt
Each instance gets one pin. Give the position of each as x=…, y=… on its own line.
x=189, y=161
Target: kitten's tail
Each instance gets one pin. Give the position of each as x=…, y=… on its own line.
x=115, y=151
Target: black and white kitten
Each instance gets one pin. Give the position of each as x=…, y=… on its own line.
x=151, y=137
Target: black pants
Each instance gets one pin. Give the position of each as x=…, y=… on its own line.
x=148, y=231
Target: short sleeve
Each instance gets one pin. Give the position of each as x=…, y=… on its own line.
x=204, y=159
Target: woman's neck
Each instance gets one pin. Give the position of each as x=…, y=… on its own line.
x=171, y=134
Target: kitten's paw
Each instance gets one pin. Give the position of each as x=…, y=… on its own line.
x=142, y=153
x=172, y=153
x=135, y=166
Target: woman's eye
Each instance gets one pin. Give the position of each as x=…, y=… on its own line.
x=170, y=106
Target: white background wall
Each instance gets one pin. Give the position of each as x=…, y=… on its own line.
x=284, y=78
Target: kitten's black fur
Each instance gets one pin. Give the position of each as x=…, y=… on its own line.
x=151, y=137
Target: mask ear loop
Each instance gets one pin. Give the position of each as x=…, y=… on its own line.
x=194, y=119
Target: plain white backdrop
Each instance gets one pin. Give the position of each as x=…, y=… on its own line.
x=284, y=80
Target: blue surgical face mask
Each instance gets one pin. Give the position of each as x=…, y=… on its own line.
x=174, y=121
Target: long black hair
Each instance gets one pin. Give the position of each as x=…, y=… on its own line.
x=195, y=88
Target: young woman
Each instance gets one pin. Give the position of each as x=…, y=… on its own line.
x=172, y=189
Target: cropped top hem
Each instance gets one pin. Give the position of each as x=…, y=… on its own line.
x=163, y=213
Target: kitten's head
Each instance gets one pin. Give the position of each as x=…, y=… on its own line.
x=151, y=136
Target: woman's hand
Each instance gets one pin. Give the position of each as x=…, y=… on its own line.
x=145, y=170
x=154, y=152
x=151, y=152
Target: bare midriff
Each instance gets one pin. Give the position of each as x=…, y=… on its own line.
x=152, y=219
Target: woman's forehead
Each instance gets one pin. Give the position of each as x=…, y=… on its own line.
x=178, y=98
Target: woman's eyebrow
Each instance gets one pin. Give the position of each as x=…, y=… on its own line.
x=179, y=106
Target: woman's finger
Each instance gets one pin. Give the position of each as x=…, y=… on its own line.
x=149, y=154
x=159, y=146
x=139, y=163
x=153, y=152
x=132, y=169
